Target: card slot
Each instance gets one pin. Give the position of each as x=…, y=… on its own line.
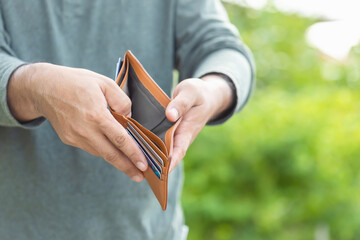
x=146, y=150
x=152, y=163
x=148, y=137
x=146, y=145
x=151, y=138
x=157, y=145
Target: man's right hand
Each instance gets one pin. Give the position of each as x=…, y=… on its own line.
x=75, y=102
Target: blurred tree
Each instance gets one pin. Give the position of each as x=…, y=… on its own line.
x=288, y=164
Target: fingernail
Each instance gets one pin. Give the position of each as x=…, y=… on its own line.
x=175, y=113
x=129, y=115
x=137, y=178
x=141, y=166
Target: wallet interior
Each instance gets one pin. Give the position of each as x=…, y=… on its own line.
x=149, y=102
x=145, y=109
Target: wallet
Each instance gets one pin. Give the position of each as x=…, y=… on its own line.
x=148, y=125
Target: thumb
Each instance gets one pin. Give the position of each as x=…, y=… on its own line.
x=117, y=99
x=180, y=104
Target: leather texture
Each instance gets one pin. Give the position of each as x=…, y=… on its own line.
x=149, y=102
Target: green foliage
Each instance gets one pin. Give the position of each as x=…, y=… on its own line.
x=288, y=163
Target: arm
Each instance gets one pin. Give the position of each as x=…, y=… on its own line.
x=207, y=45
x=75, y=103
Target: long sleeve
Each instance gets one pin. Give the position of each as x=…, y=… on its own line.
x=206, y=42
x=8, y=64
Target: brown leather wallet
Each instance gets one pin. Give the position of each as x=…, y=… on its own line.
x=148, y=125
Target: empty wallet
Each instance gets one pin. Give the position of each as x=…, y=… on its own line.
x=148, y=125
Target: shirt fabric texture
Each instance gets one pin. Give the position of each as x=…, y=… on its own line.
x=49, y=190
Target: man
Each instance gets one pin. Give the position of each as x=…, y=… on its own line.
x=52, y=190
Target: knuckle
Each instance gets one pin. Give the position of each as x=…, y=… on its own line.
x=108, y=82
x=106, y=119
x=112, y=158
x=120, y=140
x=78, y=131
x=92, y=116
x=183, y=105
x=185, y=83
x=81, y=132
x=125, y=105
x=191, y=83
x=181, y=86
x=133, y=156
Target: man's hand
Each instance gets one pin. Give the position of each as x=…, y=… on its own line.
x=75, y=102
x=197, y=101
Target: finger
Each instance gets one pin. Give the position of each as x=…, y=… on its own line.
x=182, y=140
x=120, y=138
x=184, y=136
x=116, y=98
x=181, y=103
x=112, y=155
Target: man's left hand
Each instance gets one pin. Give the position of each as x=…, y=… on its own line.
x=196, y=101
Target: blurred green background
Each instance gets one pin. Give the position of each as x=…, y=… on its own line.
x=286, y=167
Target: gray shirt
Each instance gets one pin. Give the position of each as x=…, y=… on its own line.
x=49, y=190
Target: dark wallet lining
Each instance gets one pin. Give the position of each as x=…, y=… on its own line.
x=145, y=108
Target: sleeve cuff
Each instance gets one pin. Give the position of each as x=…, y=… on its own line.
x=6, y=118
x=238, y=68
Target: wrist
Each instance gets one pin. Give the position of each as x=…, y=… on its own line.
x=21, y=95
x=222, y=93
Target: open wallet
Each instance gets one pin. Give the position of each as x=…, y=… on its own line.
x=148, y=125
